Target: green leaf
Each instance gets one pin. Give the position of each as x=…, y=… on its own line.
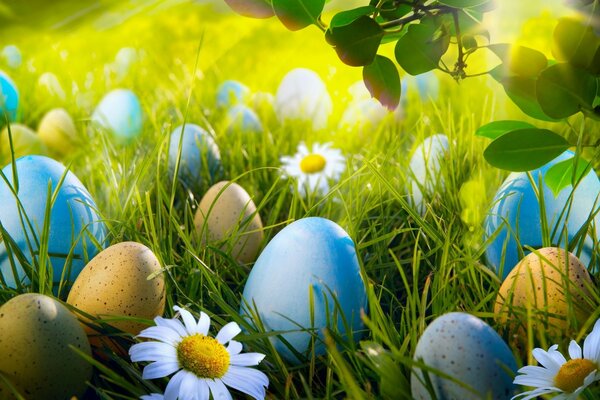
x=495, y=129
x=469, y=42
x=525, y=149
x=252, y=8
x=346, y=17
x=565, y=173
x=298, y=14
x=576, y=43
x=383, y=81
x=390, y=11
x=393, y=383
x=464, y=3
x=421, y=48
x=520, y=60
x=356, y=43
x=563, y=90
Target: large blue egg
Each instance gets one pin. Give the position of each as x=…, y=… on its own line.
x=199, y=154
x=74, y=224
x=230, y=93
x=517, y=205
x=9, y=99
x=120, y=113
x=242, y=118
x=310, y=255
x=12, y=56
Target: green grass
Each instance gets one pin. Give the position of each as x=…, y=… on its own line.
x=416, y=267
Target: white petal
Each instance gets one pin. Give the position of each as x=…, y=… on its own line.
x=187, y=390
x=203, y=390
x=591, y=344
x=152, y=396
x=203, y=324
x=574, y=350
x=159, y=369
x=534, y=393
x=188, y=319
x=234, y=348
x=174, y=324
x=219, y=391
x=162, y=333
x=546, y=358
x=247, y=380
x=152, y=351
x=247, y=359
x=172, y=390
x=228, y=332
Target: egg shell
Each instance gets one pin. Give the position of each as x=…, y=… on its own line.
x=50, y=86
x=516, y=203
x=242, y=119
x=470, y=351
x=230, y=93
x=57, y=131
x=12, y=56
x=115, y=284
x=24, y=141
x=425, y=165
x=9, y=99
x=120, y=113
x=428, y=86
x=199, y=156
x=227, y=212
x=302, y=95
x=73, y=218
x=36, y=333
x=311, y=254
x=540, y=282
x=364, y=115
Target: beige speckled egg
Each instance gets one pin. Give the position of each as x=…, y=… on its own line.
x=57, y=131
x=227, y=212
x=115, y=283
x=36, y=333
x=25, y=142
x=544, y=282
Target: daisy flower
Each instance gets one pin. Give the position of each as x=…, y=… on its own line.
x=314, y=168
x=203, y=365
x=566, y=379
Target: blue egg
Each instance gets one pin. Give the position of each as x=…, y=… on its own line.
x=310, y=255
x=242, y=118
x=12, y=56
x=74, y=223
x=9, y=99
x=231, y=93
x=428, y=85
x=120, y=113
x=199, y=153
x=470, y=351
x=516, y=203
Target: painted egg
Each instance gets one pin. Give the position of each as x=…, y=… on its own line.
x=24, y=142
x=124, y=280
x=242, y=119
x=9, y=99
x=540, y=282
x=38, y=338
x=50, y=86
x=57, y=131
x=364, y=115
x=200, y=157
x=468, y=350
x=516, y=203
x=120, y=113
x=302, y=95
x=230, y=93
x=227, y=213
x=428, y=86
x=425, y=168
x=306, y=263
x=12, y=56
x=74, y=227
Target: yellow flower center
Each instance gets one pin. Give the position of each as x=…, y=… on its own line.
x=312, y=163
x=572, y=374
x=204, y=356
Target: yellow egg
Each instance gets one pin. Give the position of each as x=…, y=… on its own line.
x=115, y=284
x=57, y=131
x=36, y=335
x=227, y=212
x=549, y=286
x=25, y=142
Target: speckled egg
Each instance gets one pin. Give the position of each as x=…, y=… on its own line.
x=120, y=113
x=74, y=228
x=540, y=282
x=24, y=142
x=57, y=131
x=310, y=258
x=200, y=157
x=36, y=335
x=516, y=203
x=230, y=93
x=363, y=116
x=116, y=283
x=227, y=212
x=9, y=98
x=302, y=96
x=425, y=168
x=50, y=86
x=470, y=351
x=241, y=118
x=12, y=56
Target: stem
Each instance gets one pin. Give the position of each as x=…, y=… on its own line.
x=459, y=68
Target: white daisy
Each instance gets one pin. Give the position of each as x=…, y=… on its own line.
x=203, y=364
x=557, y=375
x=314, y=168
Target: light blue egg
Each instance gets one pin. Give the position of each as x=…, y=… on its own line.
x=231, y=93
x=515, y=203
x=242, y=118
x=310, y=254
x=74, y=223
x=428, y=85
x=120, y=113
x=9, y=99
x=12, y=56
x=199, y=153
x=470, y=351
